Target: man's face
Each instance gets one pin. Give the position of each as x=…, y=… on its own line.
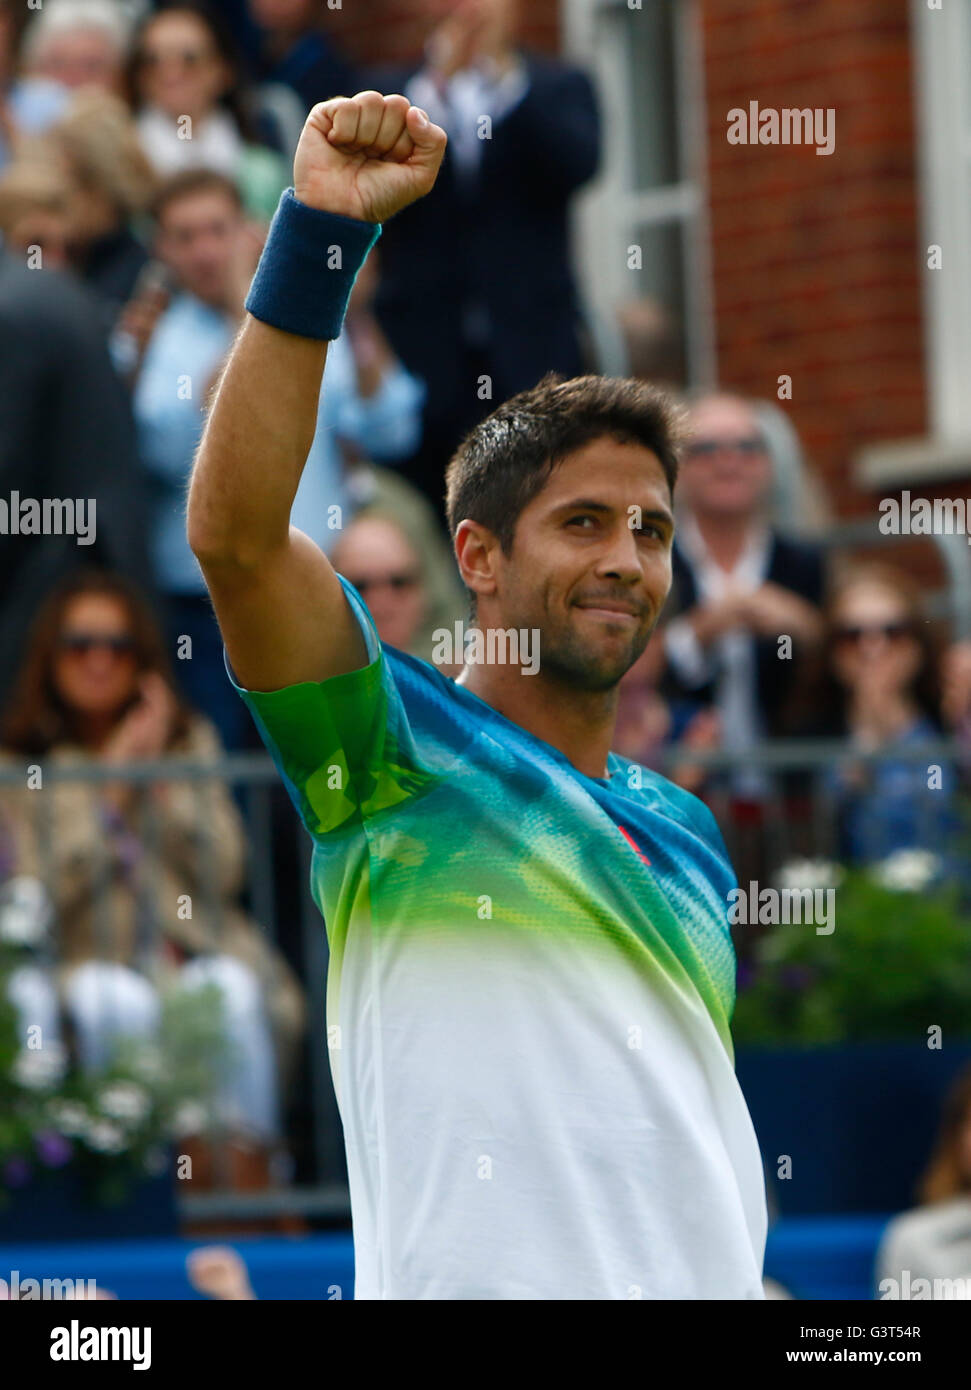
x=377, y=558
x=590, y=565
x=727, y=470
x=81, y=58
x=198, y=237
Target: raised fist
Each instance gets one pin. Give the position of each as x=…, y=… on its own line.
x=366, y=156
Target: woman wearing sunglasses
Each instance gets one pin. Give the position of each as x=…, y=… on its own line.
x=881, y=690
x=118, y=858
x=192, y=111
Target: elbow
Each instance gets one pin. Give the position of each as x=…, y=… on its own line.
x=225, y=554
x=205, y=542
x=213, y=546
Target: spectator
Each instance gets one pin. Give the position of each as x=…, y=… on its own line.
x=375, y=554
x=192, y=112
x=382, y=493
x=113, y=184
x=203, y=240
x=35, y=214
x=28, y=105
x=739, y=584
x=66, y=433
x=956, y=698
x=647, y=723
x=880, y=688
x=476, y=276
x=934, y=1241
x=79, y=43
x=294, y=51
x=95, y=690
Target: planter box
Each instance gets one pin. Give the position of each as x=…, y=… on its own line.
x=858, y=1120
x=56, y=1208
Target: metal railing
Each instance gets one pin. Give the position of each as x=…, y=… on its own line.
x=799, y=819
x=269, y=821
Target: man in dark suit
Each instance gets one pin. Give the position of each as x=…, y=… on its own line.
x=65, y=433
x=294, y=49
x=477, y=295
x=740, y=588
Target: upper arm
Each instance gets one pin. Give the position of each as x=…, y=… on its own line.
x=284, y=618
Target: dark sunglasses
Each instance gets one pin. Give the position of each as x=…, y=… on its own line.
x=80, y=643
x=855, y=632
x=189, y=57
x=706, y=448
x=398, y=582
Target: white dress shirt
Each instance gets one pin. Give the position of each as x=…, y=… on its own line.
x=732, y=656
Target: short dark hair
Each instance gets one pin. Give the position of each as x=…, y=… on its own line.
x=190, y=182
x=506, y=459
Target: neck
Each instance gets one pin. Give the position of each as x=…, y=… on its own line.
x=725, y=537
x=94, y=729
x=897, y=714
x=580, y=723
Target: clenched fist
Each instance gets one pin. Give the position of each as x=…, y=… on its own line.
x=366, y=156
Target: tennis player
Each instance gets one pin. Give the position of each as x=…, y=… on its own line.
x=531, y=973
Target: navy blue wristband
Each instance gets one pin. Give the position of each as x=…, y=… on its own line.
x=308, y=268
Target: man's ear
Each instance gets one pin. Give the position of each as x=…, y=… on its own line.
x=475, y=550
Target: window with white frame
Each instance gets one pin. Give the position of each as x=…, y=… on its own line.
x=942, y=51
x=641, y=229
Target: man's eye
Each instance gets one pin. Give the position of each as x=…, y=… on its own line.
x=574, y=519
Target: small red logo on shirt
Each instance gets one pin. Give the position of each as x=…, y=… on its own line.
x=636, y=848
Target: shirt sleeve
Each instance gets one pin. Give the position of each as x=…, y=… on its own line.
x=344, y=746
x=386, y=425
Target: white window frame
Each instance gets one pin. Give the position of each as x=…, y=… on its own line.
x=942, y=63
x=610, y=211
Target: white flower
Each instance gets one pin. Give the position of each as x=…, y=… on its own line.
x=105, y=1137
x=40, y=1068
x=123, y=1100
x=25, y=911
x=68, y=1117
x=907, y=870
x=809, y=873
x=190, y=1118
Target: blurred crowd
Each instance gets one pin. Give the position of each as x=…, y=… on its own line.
x=143, y=148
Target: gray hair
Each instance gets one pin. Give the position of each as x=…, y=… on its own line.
x=59, y=17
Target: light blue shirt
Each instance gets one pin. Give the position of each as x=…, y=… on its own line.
x=186, y=350
x=35, y=103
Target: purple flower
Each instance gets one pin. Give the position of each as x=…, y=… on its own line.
x=53, y=1149
x=796, y=976
x=746, y=975
x=16, y=1172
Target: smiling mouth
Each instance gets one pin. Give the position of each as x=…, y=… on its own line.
x=617, y=615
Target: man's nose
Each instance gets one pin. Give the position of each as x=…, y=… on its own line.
x=621, y=556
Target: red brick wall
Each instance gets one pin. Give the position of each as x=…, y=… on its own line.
x=387, y=31
x=817, y=259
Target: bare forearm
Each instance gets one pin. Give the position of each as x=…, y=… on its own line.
x=260, y=429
